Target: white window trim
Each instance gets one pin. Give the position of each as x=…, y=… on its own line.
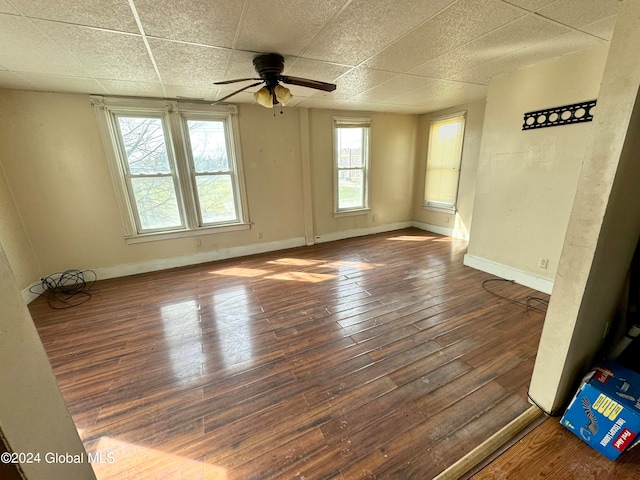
x=174, y=112
x=439, y=206
x=365, y=209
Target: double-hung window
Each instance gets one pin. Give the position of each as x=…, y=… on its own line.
x=351, y=161
x=176, y=166
x=446, y=135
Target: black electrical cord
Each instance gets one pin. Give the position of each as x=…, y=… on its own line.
x=530, y=299
x=528, y=305
x=66, y=289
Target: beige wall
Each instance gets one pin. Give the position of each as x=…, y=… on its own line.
x=460, y=223
x=57, y=172
x=527, y=180
x=393, y=145
x=33, y=415
x=13, y=235
x=603, y=229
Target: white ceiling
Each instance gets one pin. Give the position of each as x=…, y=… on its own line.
x=405, y=56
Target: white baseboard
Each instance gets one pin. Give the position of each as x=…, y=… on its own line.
x=122, y=270
x=360, y=232
x=448, y=232
x=509, y=273
x=27, y=295
x=104, y=273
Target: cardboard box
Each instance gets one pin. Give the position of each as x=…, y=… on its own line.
x=605, y=412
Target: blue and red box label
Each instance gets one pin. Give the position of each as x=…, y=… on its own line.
x=605, y=412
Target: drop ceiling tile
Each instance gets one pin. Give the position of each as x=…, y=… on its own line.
x=103, y=54
x=25, y=48
x=365, y=27
x=299, y=92
x=406, y=110
x=567, y=43
x=603, y=28
x=323, y=103
x=241, y=65
x=111, y=14
x=521, y=33
x=209, y=22
x=463, y=22
x=578, y=13
x=355, y=82
x=447, y=90
x=243, y=97
x=530, y=5
x=6, y=8
x=193, y=92
x=14, y=81
x=187, y=64
x=284, y=26
x=60, y=84
x=391, y=88
x=366, y=106
x=315, y=70
x=137, y=89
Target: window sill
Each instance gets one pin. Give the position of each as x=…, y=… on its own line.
x=153, y=237
x=448, y=210
x=351, y=213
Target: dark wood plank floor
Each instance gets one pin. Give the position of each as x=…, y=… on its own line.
x=373, y=357
x=552, y=452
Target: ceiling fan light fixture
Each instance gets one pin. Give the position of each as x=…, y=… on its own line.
x=264, y=97
x=269, y=67
x=283, y=94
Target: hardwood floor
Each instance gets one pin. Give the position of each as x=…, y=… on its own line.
x=373, y=357
x=551, y=452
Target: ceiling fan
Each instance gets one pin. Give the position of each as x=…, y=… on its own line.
x=269, y=67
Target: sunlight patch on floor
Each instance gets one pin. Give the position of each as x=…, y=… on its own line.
x=341, y=265
x=240, y=272
x=297, y=262
x=411, y=238
x=127, y=461
x=302, y=277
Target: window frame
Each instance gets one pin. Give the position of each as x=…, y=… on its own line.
x=175, y=115
x=444, y=207
x=351, y=122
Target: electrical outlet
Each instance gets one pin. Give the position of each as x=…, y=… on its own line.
x=259, y=234
x=543, y=263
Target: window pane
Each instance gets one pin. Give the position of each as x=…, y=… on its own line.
x=443, y=161
x=350, y=141
x=442, y=185
x=208, y=146
x=215, y=194
x=156, y=202
x=144, y=145
x=350, y=189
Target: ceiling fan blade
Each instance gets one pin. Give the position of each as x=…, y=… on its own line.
x=305, y=82
x=226, y=82
x=236, y=92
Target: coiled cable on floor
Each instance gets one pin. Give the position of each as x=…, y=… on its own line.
x=530, y=299
x=66, y=289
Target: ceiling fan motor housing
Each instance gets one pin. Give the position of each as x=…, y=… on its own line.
x=269, y=66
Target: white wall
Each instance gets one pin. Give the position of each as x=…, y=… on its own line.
x=603, y=228
x=33, y=415
x=526, y=180
x=457, y=224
